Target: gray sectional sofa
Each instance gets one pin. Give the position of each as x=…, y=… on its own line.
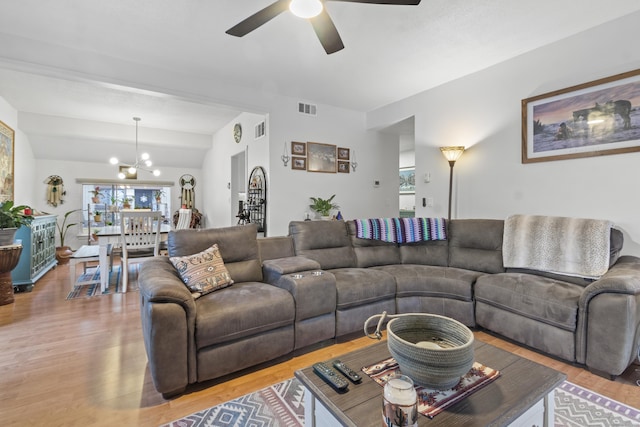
x=321, y=283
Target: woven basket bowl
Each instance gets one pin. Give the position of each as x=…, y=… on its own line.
x=441, y=368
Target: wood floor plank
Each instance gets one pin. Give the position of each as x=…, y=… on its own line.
x=82, y=362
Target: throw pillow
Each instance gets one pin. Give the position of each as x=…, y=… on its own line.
x=203, y=272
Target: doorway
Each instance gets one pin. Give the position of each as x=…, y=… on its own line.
x=238, y=184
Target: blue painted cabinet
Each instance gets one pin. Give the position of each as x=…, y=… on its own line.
x=38, y=252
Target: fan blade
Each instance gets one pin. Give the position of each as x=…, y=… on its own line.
x=327, y=32
x=396, y=2
x=259, y=18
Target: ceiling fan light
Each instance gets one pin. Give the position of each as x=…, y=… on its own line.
x=121, y=175
x=113, y=160
x=144, y=156
x=156, y=172
x=132, y=170
x=305, y=8
x=148, y=163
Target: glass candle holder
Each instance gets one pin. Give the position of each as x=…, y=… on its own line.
x=399, y=402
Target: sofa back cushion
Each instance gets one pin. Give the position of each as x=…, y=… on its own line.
x=434, y=252
x=326, y=242
x=275, y=247
x=238, y=247
x=372, y=252
x=476, y=244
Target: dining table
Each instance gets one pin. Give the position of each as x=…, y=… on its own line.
x=110, y=235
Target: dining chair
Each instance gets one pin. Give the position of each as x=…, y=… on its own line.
x=140, y=239
x=184, y=219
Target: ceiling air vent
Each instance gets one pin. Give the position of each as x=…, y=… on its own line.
x=309, y=109
x=260, y=130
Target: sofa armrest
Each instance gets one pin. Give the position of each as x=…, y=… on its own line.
x=607, y=337
x=623, y=277
x=274, y=269
x=168, y=312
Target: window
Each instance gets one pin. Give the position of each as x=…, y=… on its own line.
x=103, y=202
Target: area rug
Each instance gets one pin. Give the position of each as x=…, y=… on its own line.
x=114, y=283
x=281, y=405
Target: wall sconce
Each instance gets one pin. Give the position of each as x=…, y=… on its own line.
x=285, y=155
x=354, y=164
x=451, y=154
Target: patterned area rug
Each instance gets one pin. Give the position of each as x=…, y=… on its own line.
x=577, y=407
x=281, y=405
x=277, y=405
x=93, y=273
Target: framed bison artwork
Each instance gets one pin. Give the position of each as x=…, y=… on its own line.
x=592, y=119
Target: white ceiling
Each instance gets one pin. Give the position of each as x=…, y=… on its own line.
x=391, y=52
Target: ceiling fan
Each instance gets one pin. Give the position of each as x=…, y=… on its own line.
x=314, y=11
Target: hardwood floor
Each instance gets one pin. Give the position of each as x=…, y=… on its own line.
x=82, y=362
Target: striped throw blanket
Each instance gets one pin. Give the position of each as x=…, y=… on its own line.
x=401, y=230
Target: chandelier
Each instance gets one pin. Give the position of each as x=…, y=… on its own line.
x=143, y=162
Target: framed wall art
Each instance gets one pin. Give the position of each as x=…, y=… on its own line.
x=321, y=157
x=343, y=153
x=7, y=149
x=343, y=167
x=592, y=119
x=299, y=163
x=408, y=180
x=298, y=148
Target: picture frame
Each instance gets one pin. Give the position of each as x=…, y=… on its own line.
x=7, y=157
x=601, y=117
x=299, y=163
x=343, y=167
x=321, y=157
x=343, y=153
x=298, y=148
x=408, y=180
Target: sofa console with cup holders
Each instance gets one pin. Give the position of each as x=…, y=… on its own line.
x=323, y=280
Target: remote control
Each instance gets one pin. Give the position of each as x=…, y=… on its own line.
x=330, y=376
x=347, y=371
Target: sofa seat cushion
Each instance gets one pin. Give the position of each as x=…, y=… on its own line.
x=360, y=286
x=542, y=299
x=241, y=310
x=432, y=281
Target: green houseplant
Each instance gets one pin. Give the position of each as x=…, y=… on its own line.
x=11, y=218
x=64, y=252
x=323, y=206
x=158, y=195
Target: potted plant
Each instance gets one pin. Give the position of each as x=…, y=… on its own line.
x=97, y=216
x=114, y=204
x=126, y=202
x=158, y=195
x=323, y=206
x=64, y=252
x=11, y=218
x=96, y=195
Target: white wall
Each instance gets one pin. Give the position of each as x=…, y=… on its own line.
x=24, y=163
x=483, y=112
x=376, y=155
x=216, y=167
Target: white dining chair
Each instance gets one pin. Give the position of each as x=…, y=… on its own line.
x=184, y=219
x=140, y=239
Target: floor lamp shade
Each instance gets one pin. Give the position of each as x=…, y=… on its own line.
x=451, y=154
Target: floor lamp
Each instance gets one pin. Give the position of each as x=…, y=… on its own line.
x=452, y=154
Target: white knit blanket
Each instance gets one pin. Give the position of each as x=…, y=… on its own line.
x=570, y=246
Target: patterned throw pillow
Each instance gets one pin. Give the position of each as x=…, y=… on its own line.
x=203, y=272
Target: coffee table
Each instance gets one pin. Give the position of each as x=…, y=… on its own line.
x=522, y=395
